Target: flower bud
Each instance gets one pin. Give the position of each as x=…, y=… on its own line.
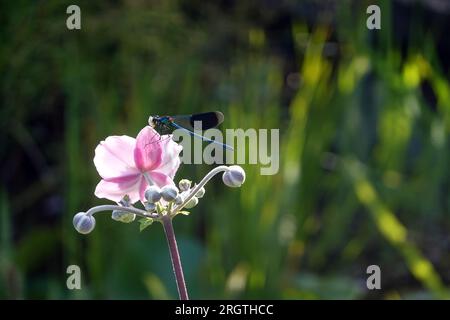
x=179, y=199
x=126, y=201
x=83, y=223
x=191, y=203
x=122, y=216
x=200, y=193
x=169, y=192
x=153, y=194
x=150, y=207
x=184, y=184
x=234, y=177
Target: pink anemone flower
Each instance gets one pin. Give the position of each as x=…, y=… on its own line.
x=127, y=165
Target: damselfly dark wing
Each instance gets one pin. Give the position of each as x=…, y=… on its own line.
x=192, y=133
x=167, y=124
x=207, y=120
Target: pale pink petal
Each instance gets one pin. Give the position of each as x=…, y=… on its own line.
x=171, y=156
x=142, y=188
x=160, y=179
x=114, y=157
x=125, y=180
x=147, y=152
x=115, y=191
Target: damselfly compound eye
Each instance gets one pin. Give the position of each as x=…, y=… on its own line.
x=151, y=122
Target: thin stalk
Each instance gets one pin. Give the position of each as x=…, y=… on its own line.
x=175, y=257
x=134, y=210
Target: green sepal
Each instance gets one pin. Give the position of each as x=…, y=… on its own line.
x=144, y=223
x=159, y=208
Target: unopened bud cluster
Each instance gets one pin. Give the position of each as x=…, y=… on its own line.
x=168, y=200
x=155, y=195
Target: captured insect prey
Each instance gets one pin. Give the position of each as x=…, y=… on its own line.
x=167, y=124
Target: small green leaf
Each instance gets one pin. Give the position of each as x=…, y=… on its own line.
x=186, y=213
x=144, y=223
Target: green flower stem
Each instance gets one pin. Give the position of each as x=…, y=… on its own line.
x=134, y=210
x=175, y=257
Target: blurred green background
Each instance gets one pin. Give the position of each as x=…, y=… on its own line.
x=364, y=120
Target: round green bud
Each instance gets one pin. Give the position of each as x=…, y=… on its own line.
x=200, y=193
x=184, y=184
x=191, y=203
x=122, y=216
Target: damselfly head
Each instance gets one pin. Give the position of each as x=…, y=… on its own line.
x=151, y=121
